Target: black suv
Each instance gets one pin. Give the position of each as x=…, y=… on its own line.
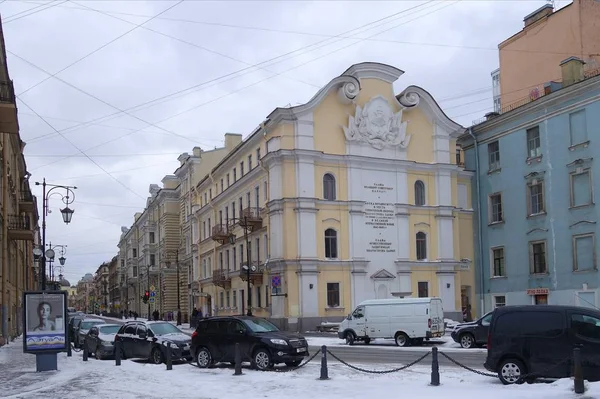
x=261, y=343
x=474, y=333
x=528, y=342
x=148, y=340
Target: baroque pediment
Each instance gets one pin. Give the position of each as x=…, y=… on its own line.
x=382, y=275
x=377, y=125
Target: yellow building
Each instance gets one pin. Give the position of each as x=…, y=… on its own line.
x=356, y=194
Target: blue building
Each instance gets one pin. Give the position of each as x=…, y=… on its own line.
x=536, y=168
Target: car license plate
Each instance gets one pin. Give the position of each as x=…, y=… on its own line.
x=301, y=350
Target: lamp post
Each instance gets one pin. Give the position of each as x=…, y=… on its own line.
x=50, y=255
x=67, y=214
x=168, y=254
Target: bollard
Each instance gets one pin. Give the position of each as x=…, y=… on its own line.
x=169, y=358
x=578, y=371
x=324, y=371
x=238, y=359
x=117, y=353
x=69, y=350
x=435, y=367
x=85, y=351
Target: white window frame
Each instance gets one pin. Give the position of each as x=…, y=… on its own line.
x=495, y=302
x=492, y=261
x=574, y=249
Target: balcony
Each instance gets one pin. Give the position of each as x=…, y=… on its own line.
x=20, y=228
x=251, y=219
x=220, y=233
x=256, y=272
x=8, y=109
x=26, y=202
x=221, y=278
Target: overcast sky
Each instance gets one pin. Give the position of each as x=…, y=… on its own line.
x=196, y=58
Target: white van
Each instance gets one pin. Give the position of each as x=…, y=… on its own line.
x=408, y=321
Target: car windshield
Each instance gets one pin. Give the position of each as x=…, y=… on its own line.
x=260, y=325
x=164, y=328
x=86, y=325
x=109, y=329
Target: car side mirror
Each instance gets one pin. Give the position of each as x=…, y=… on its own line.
x=349, y=316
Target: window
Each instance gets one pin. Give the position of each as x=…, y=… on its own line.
x=222, y=186
x=134, y=252
x=227, y=259
x=221, y=299
x=498, y=262
x=209, y=227
x=266, y=192
x=152, y=238
x=241, y=206
x=234, y=175
x=534, y=148
x=581, y=188
x=204, y=230
x=248, y=199
x=228, y=182
x=152, y=259
x=421, y=242
x=537, y=257
x=234, y=299
x=419, y=193
x=497, y=105
x=210, y=193
x=241, y=168
x=542, y=324
x=585, y=326
x=423, y=289
x=458, y=157
x=535, y=195
x=257, y=196
x=205, y=199
x=258, y=298
x=227, y=299
x=494, y=155
x=227, y=215
x=578, y=127
x=221, y=217
x=329, y=187
x=541, y=299
x=234, y=254
x=331, y=244
x=258, y=154
x=333, y=295
x=499, y=300
x=257, y=249
x=250, y=162
x=495, y=207
x=221, y=265
x=584, y=252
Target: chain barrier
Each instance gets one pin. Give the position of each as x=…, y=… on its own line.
x=523, y=377
x=74, y=348
x=379, y=371
x=294, y=368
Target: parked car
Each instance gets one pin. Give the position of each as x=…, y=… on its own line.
x=474, y=333
x=408, y=321
x=148, y=340
x=261, y=342
x=74, y=323
x=528, y=342
x=84, y=327
x=100, y=340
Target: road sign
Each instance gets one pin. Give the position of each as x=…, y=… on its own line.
x=152, y=294
x=152, y=288
x=151, y=300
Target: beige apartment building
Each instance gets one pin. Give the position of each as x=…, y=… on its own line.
x=358, y=194
x=532, y=57
x=18, y=213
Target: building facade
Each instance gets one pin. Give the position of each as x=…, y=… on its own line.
x=321, y=211
x=84, y=294
x=18, y=213
x=538, y=222
x=531, y=57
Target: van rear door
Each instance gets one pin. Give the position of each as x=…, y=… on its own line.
x=436, y=316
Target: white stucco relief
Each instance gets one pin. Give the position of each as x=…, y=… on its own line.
x=377, y=124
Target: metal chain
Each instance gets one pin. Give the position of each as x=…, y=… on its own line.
x=287, y=370
x=74, y=348
x=539, y=373
x=379, y=371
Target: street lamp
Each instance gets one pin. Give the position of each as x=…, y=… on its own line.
x=168, y=254
x=51, y=254
x=67, y=213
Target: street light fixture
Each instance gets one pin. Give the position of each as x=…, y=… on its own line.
x=51, y=255
x=62, y=260
x=67, y=213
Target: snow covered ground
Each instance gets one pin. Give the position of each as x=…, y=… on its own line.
x=102, y=379
x=446, y=343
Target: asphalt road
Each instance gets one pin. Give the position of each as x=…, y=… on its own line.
x=386, y=354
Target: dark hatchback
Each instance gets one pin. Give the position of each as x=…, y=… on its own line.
x=474, y=333
x=261, y=342
x=529, y=342
x=148, y=340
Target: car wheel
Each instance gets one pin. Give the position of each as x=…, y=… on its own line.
x=511, y=371
x=295, y=363
x=204, y=358
x=350, y=338
x=262, y=360
x=367, y=341
x=467, y=341
x=156, y=356
x=401, y=339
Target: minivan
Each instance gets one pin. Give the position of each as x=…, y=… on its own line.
x=533, y=341
x=408, y=321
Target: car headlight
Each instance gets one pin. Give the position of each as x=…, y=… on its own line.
x=173, y=346
x=279, y=342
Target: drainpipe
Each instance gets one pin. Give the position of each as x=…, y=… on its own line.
x=263, y=126
x=479, y=220
x=4, y=262
x=215, y=304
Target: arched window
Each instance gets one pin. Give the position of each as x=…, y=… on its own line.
x=419, y=193
x=329, y=187
x=331, y=251
x=421, y=246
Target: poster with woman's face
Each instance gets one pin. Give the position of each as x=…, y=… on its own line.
x=45, y=321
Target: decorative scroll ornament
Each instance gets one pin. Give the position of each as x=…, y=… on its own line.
x=348, y=92
x=377, y=125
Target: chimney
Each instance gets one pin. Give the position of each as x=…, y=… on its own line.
x=572, y=71
x=232, y=140
x=197, y=151
x=538, y=14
